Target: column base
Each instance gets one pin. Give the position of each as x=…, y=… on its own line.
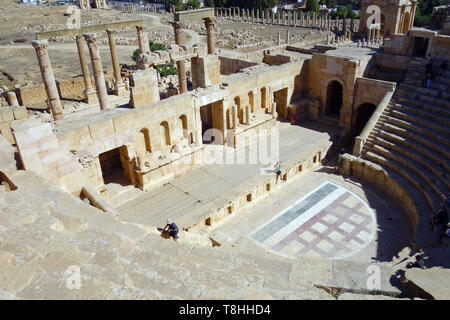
x=119, y=89
x=90, y=97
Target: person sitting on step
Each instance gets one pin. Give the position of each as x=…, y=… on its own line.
x=171, y=229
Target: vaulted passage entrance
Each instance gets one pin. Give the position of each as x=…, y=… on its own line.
x=420, y=46
x=111, y=163
x=334, y=99
x=212, y=122
x=362, y=116
x=280, y=98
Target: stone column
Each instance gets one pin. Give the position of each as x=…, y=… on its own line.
x=210, y=35
x=248, y=114
x=48, y=78
x=378, y=35
x=96, y=62
x=140, y=33
x=235, y=117
x=279, y=39
x=145, y=38
x=181, y=67
x=89, y=93
x=295, y=17
x=278, y=17
x=119, y=87
x=287, y=37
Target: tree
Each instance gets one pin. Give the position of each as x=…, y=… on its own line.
x=177, y=3
x=350, y=13
x=312, y=6
x=331, y=3
x=209, y=3
x=342, y=12
x=192, y=3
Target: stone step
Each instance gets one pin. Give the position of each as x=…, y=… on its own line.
x=431, y=184
x=419, y=82
x=423, y=233
x=417, y=133
x=440, y=77
x=430, y=103
x=419, y=89
x=418, y=146
x=414, y=179
x=446, y=95
x=435, y=174
x=430, y=125
x=423, y=113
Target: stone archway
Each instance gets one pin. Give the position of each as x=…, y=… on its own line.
x=334, y=99
x=362, y=115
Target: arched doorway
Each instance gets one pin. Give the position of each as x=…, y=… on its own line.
x=334, y=99
x=362, y=115
x=184, y=125
x=145, y=140
x=406, y=21
x=165, y=134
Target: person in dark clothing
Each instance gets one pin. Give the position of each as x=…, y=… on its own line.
x=171, y=229
x=419, y=263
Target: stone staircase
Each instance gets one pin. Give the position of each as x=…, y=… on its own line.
x=412, y=138
x=43, y=234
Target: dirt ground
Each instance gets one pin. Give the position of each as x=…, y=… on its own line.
x=18, y=63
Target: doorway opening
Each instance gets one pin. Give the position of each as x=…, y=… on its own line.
x=112, y=165
x=334, y=99
x=362, y=116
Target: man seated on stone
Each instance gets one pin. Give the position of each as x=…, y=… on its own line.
x=419, y=263
x=171, y=229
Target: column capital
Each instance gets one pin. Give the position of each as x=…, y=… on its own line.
x=111, y=32
x=40, y=46
x=91, y=38
x=176, y=24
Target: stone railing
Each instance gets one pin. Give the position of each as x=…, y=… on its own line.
x=361, y=139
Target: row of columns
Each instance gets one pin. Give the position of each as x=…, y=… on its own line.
x=130, y=8
x=293, y=19
x=373, y=38
x=53, y=99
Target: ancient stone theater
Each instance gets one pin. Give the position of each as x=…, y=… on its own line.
x=293, y=166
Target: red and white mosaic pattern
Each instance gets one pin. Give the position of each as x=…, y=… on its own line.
x=341, y=228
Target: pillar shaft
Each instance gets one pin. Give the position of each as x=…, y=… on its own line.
x=88, y=89
x=181, y=68
x=98, y=71
x=48, y=78
x=118, y=83
x=140, y=34
x=114, y=59
x=210, y=35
